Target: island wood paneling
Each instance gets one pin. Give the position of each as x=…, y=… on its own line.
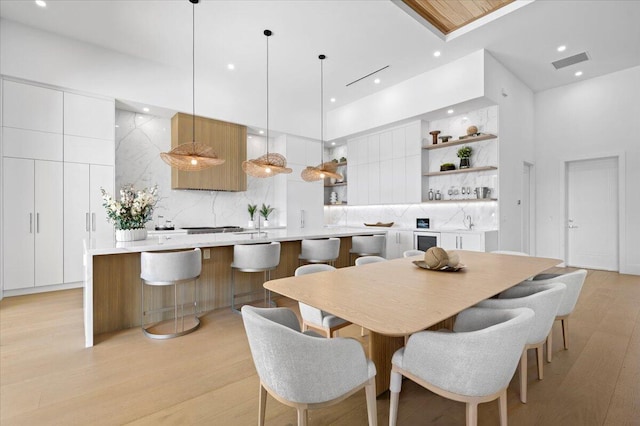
x=229, y=142
x=117, y=286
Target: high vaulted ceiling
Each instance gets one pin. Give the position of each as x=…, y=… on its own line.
x=357, y=36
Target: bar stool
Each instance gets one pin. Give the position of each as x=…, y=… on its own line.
x=165, y=269
x=369, y=245
x=324, y=250
x=250, y=258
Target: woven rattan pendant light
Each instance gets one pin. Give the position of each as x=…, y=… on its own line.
x=192, y=156
x=272, y=163
x=324, y=170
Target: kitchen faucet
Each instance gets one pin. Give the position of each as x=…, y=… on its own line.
x=467, y=225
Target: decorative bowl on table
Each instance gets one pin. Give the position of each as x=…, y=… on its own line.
x=422, y=264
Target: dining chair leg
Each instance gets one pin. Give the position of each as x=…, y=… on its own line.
x=472, y=414
x=262, y=405
x=372, y=409
x=302, y=417
x=549, y=345
x=540, y=360
x=395, y=386
x=502, y=400
x=565, y=332
x=523, y=377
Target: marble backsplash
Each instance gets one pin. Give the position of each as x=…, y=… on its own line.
x=139, y=141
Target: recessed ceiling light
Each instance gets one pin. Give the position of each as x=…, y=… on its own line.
x=562, y=48
x=145, y=109
x=140, y=117
x=436, y=53
x=231, y=66
x=41, y=3
x=333, y=144
x=250, y=137
x=261, y=132
x=117, y=125
x=450, y=111
x=333, y=99
x=578, y=73
x=376, y=81
x=465, y=118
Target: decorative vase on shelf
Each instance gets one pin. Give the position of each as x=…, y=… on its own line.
x=131, y=234
x=251, y=224
x=465, y=163
x=265, y=223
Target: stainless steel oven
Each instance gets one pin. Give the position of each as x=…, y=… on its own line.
x=424, y=240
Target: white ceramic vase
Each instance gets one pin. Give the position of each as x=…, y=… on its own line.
x=251, y=224
x=265, y=223
x=131, y=234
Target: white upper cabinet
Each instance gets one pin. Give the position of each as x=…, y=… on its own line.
x=89, y=117
x=20, y=143
x=29, y=107
x=87, y=150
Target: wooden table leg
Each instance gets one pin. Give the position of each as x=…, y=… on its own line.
x=381, y=349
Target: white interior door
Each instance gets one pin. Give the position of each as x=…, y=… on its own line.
x=592, y=214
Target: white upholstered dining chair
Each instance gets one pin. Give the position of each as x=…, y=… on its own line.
x=316, y=318
x=303, y=371
x=574, y=282
x=544, y=300
x=474, y=364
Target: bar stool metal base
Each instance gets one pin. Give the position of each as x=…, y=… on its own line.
x=166, y=329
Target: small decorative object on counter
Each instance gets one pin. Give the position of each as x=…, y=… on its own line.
x=333, y=197
x=343, y=159
x=447, y=166
x=129, y=215
x=265, y=211
x=252, y=208
x=438, y=196
x=472, y=131
x=430, y=195
x=445, y=138
x=434, y=134
x=464, y=153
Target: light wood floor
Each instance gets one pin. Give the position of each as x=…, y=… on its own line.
x=208, y=377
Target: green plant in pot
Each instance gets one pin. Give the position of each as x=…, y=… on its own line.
x=464, y=154
x=252, y=208
x=265, y=211
x=447, y=166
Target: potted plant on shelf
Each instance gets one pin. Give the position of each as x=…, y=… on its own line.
x=464, y=154
x=265, y=211
x=447, y=166
x=251, y=208
x=129, y=215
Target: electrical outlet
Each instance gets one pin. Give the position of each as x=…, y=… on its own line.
x=206, y=254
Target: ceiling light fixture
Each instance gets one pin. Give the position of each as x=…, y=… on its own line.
x=145, y=109
x=578, y=73
x=41, y=3
x=231, y=66
x=562, y=48
x=269, y=164
x=450, y=111
x=192, y=156
x=323, y=170
x=376, y=81
x=437, y=53
x=333, y=99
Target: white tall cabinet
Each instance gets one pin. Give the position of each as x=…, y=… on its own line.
x=386, y=167
x=50, y=140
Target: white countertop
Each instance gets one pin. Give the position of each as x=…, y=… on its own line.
x=177, y=241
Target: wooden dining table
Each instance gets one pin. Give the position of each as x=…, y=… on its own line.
x=396, y=298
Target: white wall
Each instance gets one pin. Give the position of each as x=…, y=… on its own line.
x=139, y=141
x=591, y=118
x=450, y=84
x=515, y=133
x=36, y=55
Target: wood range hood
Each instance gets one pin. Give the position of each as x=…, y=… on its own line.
x=228, y=140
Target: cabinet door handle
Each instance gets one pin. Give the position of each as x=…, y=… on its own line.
x=31, y=223
x=38, y=223
x=93, y=222
x=86, y=222
x=301, y=218
x=461, y=242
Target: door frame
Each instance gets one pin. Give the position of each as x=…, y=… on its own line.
x=622, y=202
x=532, y=209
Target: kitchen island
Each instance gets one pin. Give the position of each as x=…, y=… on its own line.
x=112, y=270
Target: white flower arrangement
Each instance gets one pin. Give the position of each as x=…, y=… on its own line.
x=134, y=209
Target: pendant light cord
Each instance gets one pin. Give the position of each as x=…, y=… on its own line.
x=267, y=33
x=193, y=75
x=322, y=111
